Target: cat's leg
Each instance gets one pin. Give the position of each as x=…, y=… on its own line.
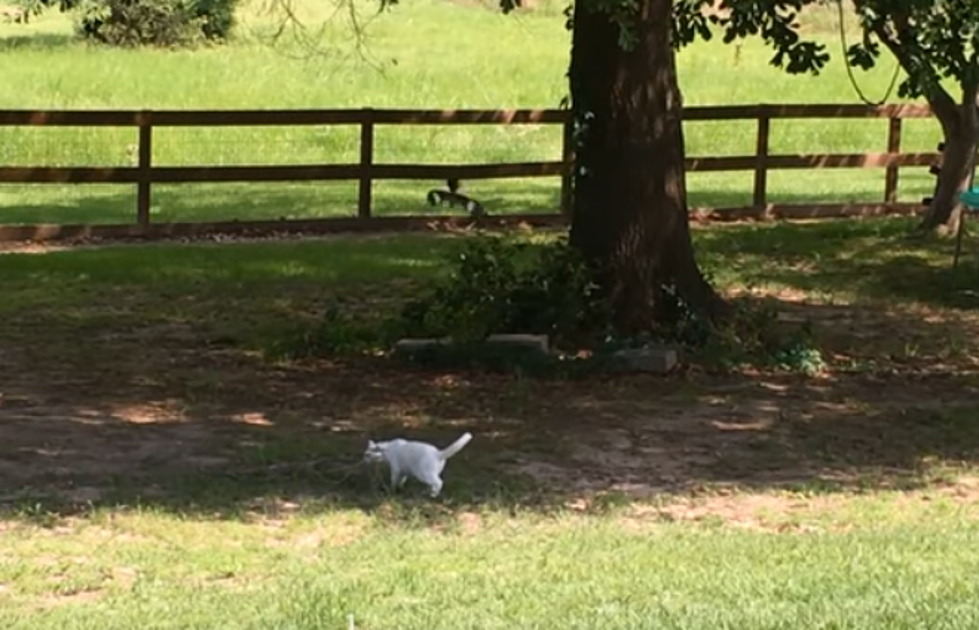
x=397, y=477
x=431, y=478
x=435, y=486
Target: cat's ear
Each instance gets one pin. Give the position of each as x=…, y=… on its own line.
x=371, y=444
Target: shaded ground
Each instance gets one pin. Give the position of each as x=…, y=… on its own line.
x=168, y=411
x=160, y=411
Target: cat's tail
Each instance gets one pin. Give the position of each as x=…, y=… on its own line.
x=456, y=446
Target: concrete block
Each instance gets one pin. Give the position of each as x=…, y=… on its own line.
x=536, y=342
x=657, y=360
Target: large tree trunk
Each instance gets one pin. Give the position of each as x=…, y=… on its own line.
x=630, y=206
x=960, y=128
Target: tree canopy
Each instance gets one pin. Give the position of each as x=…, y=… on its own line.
x=936, y=43
x=933, y=40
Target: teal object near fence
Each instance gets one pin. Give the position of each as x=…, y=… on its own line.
x=970, y=198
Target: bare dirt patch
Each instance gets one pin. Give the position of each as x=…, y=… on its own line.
x=157, y=408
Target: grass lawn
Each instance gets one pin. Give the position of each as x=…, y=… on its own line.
x=158, y=469
x=488, y=571
x=414, y=60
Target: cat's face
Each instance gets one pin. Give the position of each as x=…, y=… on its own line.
x=374, y=452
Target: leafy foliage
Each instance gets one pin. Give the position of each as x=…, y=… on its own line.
x=772, y=20
x=131, y=23
x=499, y=286
x=156, y=22
x=932, y=39
x=216, y=17
x=754, y=336
x=751, y=336
x=690, y=21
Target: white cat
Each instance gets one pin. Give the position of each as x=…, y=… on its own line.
x=422, y=461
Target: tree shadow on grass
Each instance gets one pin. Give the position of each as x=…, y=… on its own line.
x=117, y=392
x=39, y=41
x=219, y=434
x=873, y=259
x=257, y=202
x=101, y=204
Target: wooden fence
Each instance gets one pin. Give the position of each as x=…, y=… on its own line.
x=144, y=174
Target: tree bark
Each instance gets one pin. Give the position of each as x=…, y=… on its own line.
x=959, y=122
x=629, y=213
x=960, y=128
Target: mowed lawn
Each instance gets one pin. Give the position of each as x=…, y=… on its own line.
x=489, y=571
x=160, y=468
x=420, y=54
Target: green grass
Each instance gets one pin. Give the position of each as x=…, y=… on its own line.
x=422, y=54
x=260, y=286
x=271, y=284
x=155, y=461
x=862, y=260
x=152, y=570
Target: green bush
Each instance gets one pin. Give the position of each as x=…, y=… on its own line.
x=218, y=17
x=131, y=23
x=498, y=285
x=755, y=336
x=502, y=286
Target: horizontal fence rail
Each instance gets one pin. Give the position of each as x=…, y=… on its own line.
x=144, y=174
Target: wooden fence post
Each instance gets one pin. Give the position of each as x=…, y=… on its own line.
x=144, y=181
x=567, y=157
x=759, y=198
x=893, y=146
x=366, y=162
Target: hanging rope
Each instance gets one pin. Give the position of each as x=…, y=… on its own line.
x=849, y=69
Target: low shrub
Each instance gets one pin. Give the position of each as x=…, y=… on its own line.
x=502, y=286
x=167, y=23
x=497, y=285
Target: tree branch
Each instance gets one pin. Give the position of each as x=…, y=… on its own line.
x=970, y=91
x=970, y=106
x=904, y=50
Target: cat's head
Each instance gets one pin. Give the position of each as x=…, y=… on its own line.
x=375, y=451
